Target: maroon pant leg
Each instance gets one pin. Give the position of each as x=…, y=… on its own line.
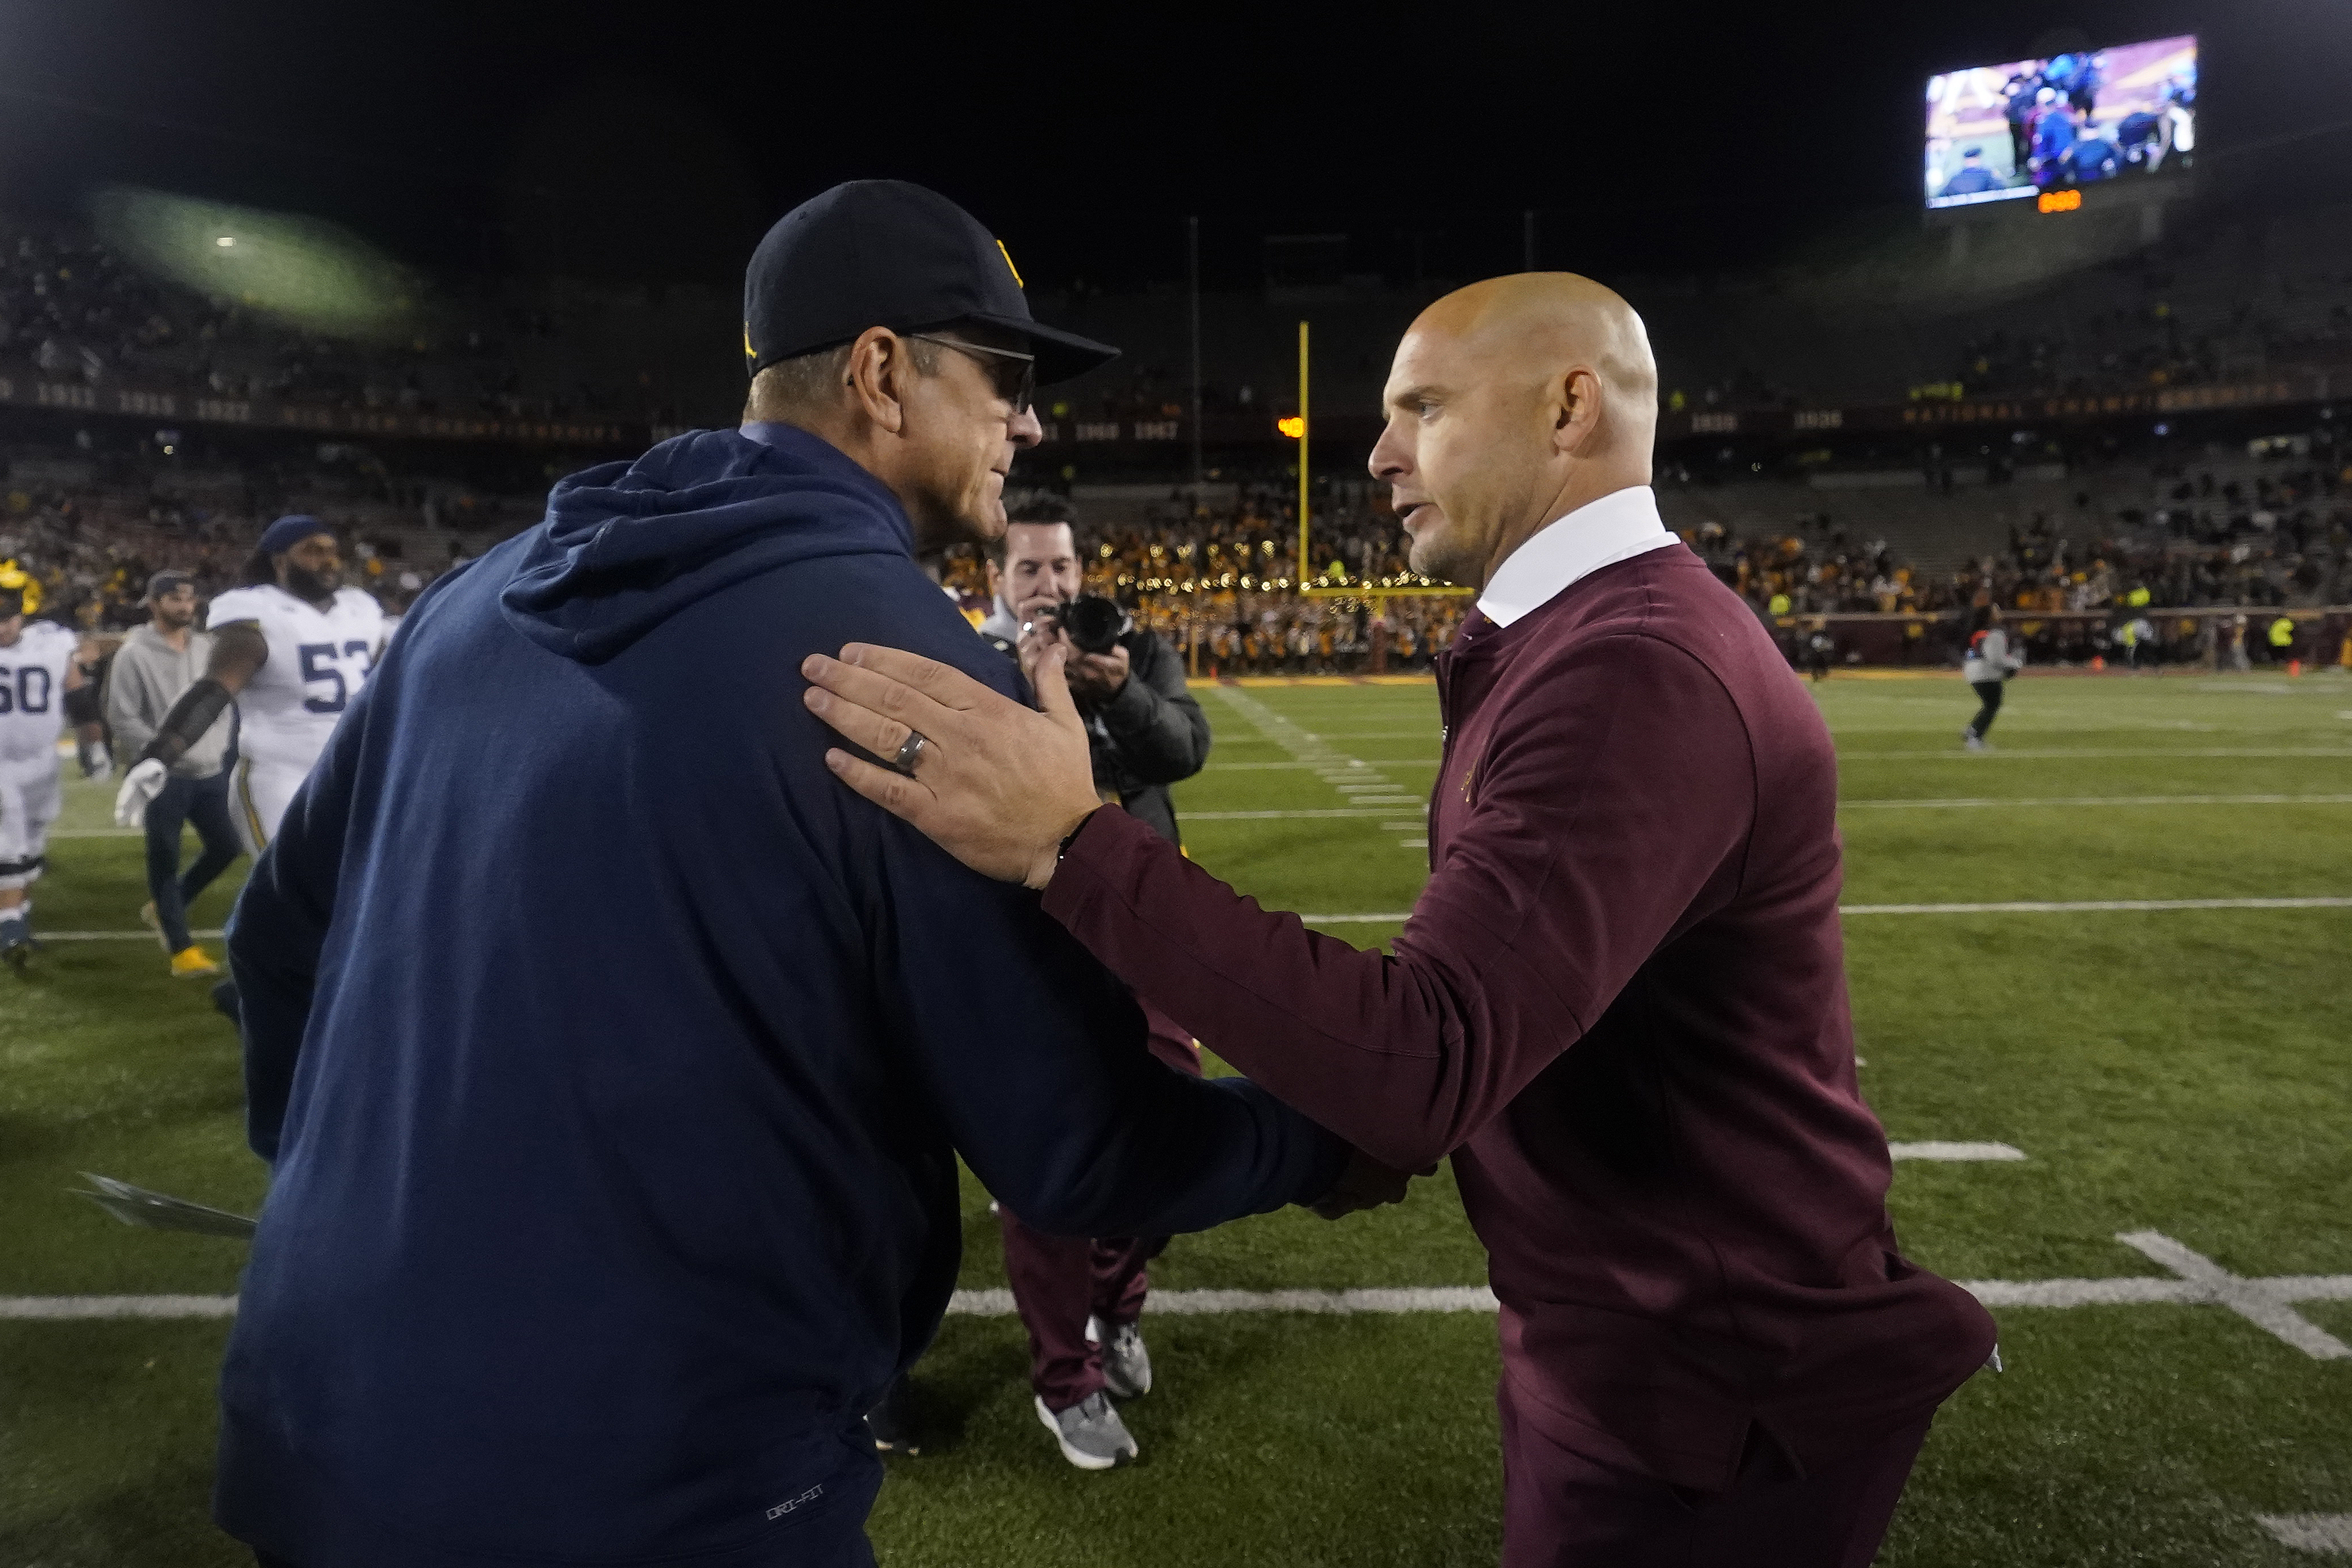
x=1563, y=1510
x=1053, y=1281
x=1060, y=1281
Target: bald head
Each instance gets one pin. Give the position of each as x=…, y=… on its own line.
x=1511, y=403
x=1535, y=328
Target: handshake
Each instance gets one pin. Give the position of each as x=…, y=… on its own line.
x=1365, y=1184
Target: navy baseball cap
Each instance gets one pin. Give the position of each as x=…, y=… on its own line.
x=164, y=581
x=884, y=252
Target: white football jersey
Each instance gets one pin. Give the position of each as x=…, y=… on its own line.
x=318, y=661
x=33, y=692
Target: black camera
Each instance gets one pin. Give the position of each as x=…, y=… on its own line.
x=1092, y=623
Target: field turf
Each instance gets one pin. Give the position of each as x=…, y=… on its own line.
x=2184, y=1071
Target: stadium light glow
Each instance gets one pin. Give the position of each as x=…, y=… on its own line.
x=304, y=270
x=1292, y=427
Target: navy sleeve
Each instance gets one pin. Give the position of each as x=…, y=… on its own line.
x=1034, y=1052
x=280, y=924
x=1035, y=1056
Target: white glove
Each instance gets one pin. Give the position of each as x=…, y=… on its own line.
x=143, y=783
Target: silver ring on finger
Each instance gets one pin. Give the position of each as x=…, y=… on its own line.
x=909, y=750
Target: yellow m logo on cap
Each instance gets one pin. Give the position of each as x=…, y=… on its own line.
x=749, y=352
x=1009, y=267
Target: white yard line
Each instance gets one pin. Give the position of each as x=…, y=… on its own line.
x=2020, y=907
x=111, y=936
x=2265, y=1303
x=2101, y=906
x=1361, y=784
x=1401, y=916
x=1933, y=1149
x=2197, y=1282
x=2324, y=1532
x=57, y=1308
x=1288, y=816
x=1216, y=1303
x=1365, y=794
x=2098, y=799
x=1302, y=767
x=1997, y=754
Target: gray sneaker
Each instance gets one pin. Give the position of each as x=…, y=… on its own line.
x=1125, y=1364
x=1092, y=1435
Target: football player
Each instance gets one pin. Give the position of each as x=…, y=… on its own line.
x=291, y=647
x=41, y=687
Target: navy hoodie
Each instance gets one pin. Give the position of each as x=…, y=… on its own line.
x=613, y=1057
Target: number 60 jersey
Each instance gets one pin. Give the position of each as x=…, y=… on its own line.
x=318, y=661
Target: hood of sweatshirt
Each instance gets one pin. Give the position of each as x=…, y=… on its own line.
x=627, y=545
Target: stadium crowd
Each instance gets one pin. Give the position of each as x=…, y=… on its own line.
x=70, y=306
x=87, y=551
x=1220, y=581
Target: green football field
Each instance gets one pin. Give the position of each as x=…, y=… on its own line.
x=2178, y=1074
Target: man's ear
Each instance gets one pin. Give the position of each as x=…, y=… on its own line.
x=1577, y=414
x=877, y=367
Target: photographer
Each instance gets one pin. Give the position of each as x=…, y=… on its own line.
x=1144, y=729
x=1081, y=1299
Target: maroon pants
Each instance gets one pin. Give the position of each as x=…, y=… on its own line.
x=1058, y=1282
x=1563, y=1510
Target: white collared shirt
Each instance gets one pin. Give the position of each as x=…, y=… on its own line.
x=1619, y=526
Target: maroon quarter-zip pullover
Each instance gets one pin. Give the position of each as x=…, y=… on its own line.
x=1620, y=1005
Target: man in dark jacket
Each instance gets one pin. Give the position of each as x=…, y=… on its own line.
x=612, y=1061
x=1081, y=1299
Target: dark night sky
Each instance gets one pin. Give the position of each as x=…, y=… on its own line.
x=655, y=142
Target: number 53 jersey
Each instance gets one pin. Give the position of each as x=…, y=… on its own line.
x=318, y=661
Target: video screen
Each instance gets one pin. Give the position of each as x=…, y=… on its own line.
x=2002, y=132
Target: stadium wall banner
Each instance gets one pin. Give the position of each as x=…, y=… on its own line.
x=274, y=413
x=2275, y=391
x=1133, y=438
x=1936, y=639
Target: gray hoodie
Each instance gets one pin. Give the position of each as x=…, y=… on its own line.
x=1990, y=659
x=145, y=678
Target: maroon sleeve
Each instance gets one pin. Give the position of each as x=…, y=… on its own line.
x=1610, y=810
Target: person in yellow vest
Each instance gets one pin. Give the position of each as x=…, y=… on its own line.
x=2138, y=598
x=2281, y=639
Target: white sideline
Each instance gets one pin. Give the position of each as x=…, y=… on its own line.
x=112, y=935
x=2198, y=1281
x=56, y=1309
x=2327, y=1532
x=1361, y=793
x=2099, y=800
x=2093, y=906
x=2022, y=907
x=1933, y=1149
x=1952, y=754
x=1997, y=754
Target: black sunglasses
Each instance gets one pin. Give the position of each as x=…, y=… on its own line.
x=1015, y=374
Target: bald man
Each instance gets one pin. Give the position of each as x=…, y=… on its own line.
x=1620, y=1003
